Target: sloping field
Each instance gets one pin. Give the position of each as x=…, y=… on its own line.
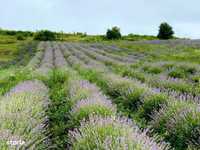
x=94, y=96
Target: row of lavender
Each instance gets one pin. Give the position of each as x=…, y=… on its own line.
x=87, y=57
x=177, y=87
x=36, y=60
x=47, y=62
x=94, y=120
x=188, y=71
x=185, y=74
x=177, y=121
x=23, y=109
x=114, y=52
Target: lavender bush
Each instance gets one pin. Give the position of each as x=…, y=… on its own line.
x=112, y=133
x=60, y=61
x=22, y=115
x=179, y=123
x=87, y=99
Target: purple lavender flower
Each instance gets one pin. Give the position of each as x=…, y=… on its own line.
x=112, y=132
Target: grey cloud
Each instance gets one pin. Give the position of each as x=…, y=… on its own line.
x=94, y=17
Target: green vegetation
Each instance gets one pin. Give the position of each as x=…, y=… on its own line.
x=145, y=104
x=58, y=108
x=13, y=78
x=8, y=47
x=44, y=35
x=15, y=33
x=136, y=37
x=113, y=33
x=165, y=31
x=22, y=116
x=14, y=51
x=66, y=95
x=20, y=37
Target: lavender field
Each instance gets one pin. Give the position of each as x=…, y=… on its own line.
x=94, y=96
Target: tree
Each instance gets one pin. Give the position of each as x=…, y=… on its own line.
x=45, y=35
x=113, y=33
x=20, y=37
x=165, y=31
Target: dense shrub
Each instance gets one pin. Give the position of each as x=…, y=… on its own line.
x=134, y=73
x=189, y=69
x=152, y=69
x=20, y=37
x=177, y=73
x=196, y=78
x=152, y=102
x=45, y=35
x=179, y=123
x=165, y=31
x=113, y=33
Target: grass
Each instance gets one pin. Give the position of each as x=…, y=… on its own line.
x=161, y=52
x=8, y=52
x=7, y=72
x=11, y=74
x=8, y=47
x=14, y=52
x=58, y=108
x=13, y=79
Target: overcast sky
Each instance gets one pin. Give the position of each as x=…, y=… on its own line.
x=95, y=16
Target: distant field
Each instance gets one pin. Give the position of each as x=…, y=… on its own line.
x=174, y=50
x=13, y=51
x=8, y=47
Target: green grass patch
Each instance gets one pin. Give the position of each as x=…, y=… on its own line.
x=58, y=108
x=14, y=52
x=13, y=79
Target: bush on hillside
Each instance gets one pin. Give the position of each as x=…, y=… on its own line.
x=165, y=31
x=20, y=37
x=113, y=33
x=45, y=35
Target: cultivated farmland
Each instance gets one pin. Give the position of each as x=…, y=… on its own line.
x=85, y=96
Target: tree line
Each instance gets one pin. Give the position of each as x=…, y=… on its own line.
x=165, y=32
